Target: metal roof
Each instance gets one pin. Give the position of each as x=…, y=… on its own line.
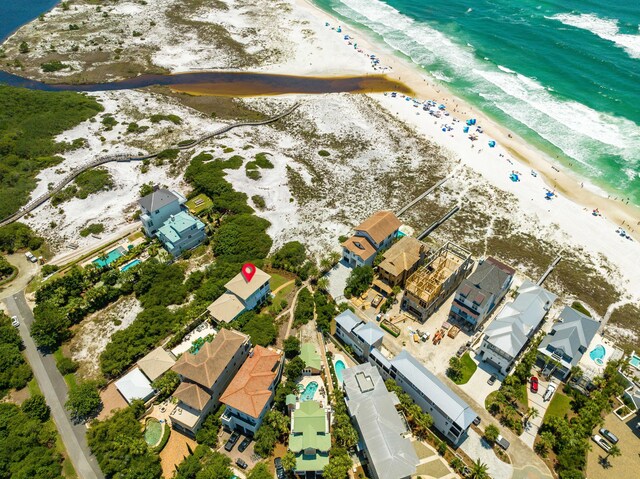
x=488, y=278
x=348, y=320
x=435, y=390
x=134, y=385
x=373, y=408
x=369, y=332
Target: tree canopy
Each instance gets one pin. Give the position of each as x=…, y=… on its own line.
x=15, y=373
x=358, y=281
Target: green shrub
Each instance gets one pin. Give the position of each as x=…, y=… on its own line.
x=262, y=161
x=67, y=365
x=175, y=119
x=324, y=153
x=253, y=175
x=53, y=66
x=166, y=432
x=185, y=142
x=92, y=229
x=168, y=154
x=259, y=202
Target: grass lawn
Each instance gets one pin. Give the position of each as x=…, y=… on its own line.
x=199, y=204
x=283, y=293
x=277, y=280
x=468, y=368
x=560, y=405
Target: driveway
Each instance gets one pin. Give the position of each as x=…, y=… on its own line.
x=26, y=271
x=477, y=448
x=54, y=389
x=625, y=466
x=337, y=278
x=535, y=400
x=478, y=386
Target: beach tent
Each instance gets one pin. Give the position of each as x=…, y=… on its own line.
x=466, y=129
x=492, y=144
x=441, y=107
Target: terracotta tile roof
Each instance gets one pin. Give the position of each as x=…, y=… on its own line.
x=243, y=289
x=402, y=256
x=380, y=225
x=360, y=246
x=192, y=395
x=206, y=365
x=249, y=391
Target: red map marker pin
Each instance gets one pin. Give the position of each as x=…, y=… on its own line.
x=248, y=270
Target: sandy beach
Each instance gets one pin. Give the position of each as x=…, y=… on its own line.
x=557, y=178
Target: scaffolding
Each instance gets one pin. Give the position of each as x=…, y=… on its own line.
x=426, y=283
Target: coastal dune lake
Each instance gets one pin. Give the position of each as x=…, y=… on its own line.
x=227, y=84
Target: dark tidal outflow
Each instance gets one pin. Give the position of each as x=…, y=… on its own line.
x=225, y=84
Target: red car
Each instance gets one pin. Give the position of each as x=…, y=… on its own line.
x=534, y=384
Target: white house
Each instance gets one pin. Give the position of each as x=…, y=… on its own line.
x=157, y=207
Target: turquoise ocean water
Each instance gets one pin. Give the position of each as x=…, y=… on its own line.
x=563, y=74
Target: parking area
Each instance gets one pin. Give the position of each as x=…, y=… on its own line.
x=248, y=455
x=477, y=448
x=536, y=401
x=478, y=385
x=434, y=357
x=337, y=278
x=625, y=466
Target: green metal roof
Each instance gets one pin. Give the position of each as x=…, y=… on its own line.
x=177, y=225
x=309, y=354
x=310, y=439
x=290, y=399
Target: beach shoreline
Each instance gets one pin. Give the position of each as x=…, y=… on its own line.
x=561, y=180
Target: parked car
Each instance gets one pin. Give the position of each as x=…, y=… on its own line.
x=549, y=392
x=232, y=441
x=244, y=444
x=502, y=442
x=534, y=384
x=376, y=301
x=15, y=322
x=279, y=469
x=241, y=464
x=492, y=380
x=608, y=435
x=477, y=420
x=31, y=257
x=601, y=442
x=461, y=351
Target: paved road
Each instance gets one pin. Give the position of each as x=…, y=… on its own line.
x=55, y=391
x=26, y=271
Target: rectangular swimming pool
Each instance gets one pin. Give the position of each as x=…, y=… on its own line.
x=130, y=265
x=110, y=257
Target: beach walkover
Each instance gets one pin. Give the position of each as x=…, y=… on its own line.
x=130, y=157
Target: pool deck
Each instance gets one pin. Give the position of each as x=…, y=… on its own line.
x=318, y=396
x=611, y=352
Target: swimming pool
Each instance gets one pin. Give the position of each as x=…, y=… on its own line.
x=339, y=367
x=635, y=361
x=130, y=265
x=597, y=354
x=309, y=391
x=110, y=257
x=152, y=431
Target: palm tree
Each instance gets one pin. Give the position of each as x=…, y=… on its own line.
x=614, y=451
x=532, y=413
x=479, y=470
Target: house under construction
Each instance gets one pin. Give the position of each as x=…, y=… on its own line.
x=433, y=283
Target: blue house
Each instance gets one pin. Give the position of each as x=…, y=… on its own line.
x=157, y=207
x=181, y=232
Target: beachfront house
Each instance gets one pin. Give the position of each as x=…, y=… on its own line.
x=383, y=431
x=241, y=296
x=181, y=232
x=479, y=294
x=250, y=394
x=451, y=415
x=310, y=438
x=374, y=234
x=311, y=357
x=157, y=207
x=568, y=340
x=361, y=336
x=515, y=325
x=400, y=261
x=204, y=376
x=430, y=286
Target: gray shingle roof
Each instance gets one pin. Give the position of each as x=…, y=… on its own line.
x=157, y=199
x=437, y=392
x=485, y=281
x=373, y=408
x=348, y=320
x=574, y=331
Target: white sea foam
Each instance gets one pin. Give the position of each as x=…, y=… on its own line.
x=605, y=28
x=579, y=131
